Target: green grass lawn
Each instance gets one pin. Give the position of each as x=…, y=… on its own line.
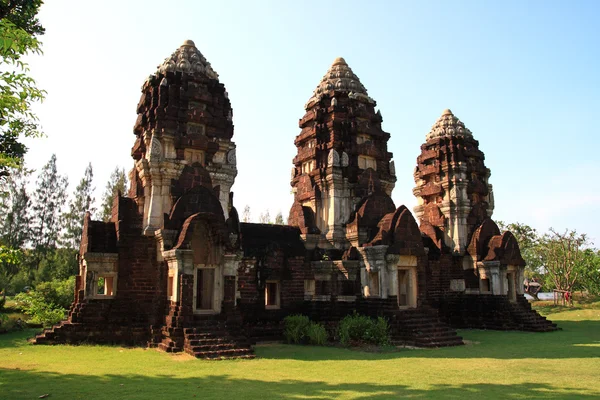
x=513, y=365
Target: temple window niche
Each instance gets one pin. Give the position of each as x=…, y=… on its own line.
x=365, y=162
x=272, y=295
x=101, y=272
x=362, y=138
x=308, y=166
x=193, y=156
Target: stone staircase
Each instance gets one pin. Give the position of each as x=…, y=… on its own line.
x=528, y=319
x=492, y=312
x=211, y=340
x=421, y=327
x=88, y=322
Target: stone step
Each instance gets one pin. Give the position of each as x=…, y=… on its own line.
x=223, y=354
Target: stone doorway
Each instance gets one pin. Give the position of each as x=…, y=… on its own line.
x=407, y=288
x=204, y=290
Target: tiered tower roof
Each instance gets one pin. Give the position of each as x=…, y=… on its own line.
x=448, y=125
x=339, y=77
x=187, y=58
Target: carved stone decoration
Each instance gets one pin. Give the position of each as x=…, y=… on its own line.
x=293, y=173
x=333, y=159
x=231, y=159
x=448, y=125
x=392, y=168
x=334, y=102
x=344, y=160
x=155, y=153
x=188, y=59
x=339, y=77
x=219, y=157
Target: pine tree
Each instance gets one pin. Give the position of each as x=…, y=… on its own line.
x=82, y=202
x=15, y=205
x=279, y=219
x=49, y=198
x=265, y=218
x=116, y=183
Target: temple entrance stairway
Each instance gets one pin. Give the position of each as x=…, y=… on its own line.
x=486, y=311
x=420, y=327
x=102, y=322
x=210, y=337
x=529, y=319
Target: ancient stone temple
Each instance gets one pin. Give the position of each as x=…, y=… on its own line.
x=175, y=269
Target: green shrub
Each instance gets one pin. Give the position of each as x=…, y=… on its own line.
x=359, y=329
x=317, y=334
x=295, y=328
x=40, y=306
x=2, y=302
x=60, y=293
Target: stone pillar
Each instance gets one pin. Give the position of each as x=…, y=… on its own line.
x=155, y=208
x=373, y=258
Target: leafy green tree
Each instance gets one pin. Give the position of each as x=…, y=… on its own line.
x=23, y=14
x=49, y=198
x=10, y=263
x=563, y=258
x=529, y=241
x=82, y=202
x=590, y=277
x=116, y=183
x=15, y=206
x=18, y=91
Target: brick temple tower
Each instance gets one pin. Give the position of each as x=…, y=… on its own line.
x=342, y=159
x=452, y=188
x=184, y=130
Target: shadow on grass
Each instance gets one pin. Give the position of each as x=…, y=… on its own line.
x=21, y=384
x=577, y=339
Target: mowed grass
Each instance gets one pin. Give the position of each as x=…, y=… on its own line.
x=513, y=365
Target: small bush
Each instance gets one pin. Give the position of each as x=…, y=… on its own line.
x=296, y=327
x=2, y=302
x=40, y=311
x=317, y=334
x=359, y=329
x=60, y=293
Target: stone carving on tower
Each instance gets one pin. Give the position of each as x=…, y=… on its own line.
x=452, y=185
x=342, y=157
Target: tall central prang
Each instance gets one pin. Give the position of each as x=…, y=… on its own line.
x=342, y=158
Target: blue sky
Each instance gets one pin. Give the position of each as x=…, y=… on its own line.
x=522, y=75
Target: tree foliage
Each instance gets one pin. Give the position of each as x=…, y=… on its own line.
x=49, y=197
x=529, y=241
x=279, y=219
x=18, y=91
x=562, y=255
x=265, y=218
x=116, y=183
x=15, y=205
x=82, y=202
